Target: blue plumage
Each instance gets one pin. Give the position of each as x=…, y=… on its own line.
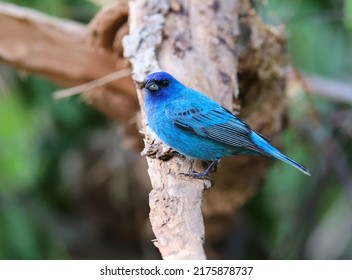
x=198, y=127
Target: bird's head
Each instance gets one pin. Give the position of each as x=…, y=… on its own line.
x=159, y=84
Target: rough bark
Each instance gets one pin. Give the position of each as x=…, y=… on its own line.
x=194, y=41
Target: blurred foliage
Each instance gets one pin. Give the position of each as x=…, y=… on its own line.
x=318, y=41
x=292, y=216
x=79, y=10
x=36, y=133
x=48, y=211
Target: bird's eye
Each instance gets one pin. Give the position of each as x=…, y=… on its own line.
x=165, y=83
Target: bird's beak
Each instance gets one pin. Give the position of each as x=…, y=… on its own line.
x=152, y=86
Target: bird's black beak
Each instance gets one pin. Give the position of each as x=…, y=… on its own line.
x=151, y=86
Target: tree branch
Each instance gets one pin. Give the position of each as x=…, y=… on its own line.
x=336, y=90
x=190, y=51
x=93, y=84
x=57, y=49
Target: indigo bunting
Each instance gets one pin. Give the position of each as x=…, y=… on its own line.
x=198, y=127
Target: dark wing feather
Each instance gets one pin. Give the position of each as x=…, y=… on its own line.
x=215, y=123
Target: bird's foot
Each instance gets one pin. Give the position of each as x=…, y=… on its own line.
x=203, y=175
x=210, y=166
x=200, y=175
x=196, y=175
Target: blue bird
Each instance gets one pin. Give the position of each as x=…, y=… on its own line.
x=198, y=127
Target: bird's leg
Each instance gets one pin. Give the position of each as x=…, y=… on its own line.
x=202, y=175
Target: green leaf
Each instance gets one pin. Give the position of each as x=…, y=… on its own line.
x=347, y=18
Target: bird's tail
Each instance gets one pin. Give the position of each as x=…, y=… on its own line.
x=270, y=150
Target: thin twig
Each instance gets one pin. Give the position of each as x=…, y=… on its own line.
x=92, y=84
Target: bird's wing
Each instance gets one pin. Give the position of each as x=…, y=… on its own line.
x=214, y=122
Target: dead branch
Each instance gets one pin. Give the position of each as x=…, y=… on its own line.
x=57, y=49
x=93, y=84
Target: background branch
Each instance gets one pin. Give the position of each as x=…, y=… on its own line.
x=58, y=50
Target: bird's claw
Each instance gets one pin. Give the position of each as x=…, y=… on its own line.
x=196, y=175
x=199, y=175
